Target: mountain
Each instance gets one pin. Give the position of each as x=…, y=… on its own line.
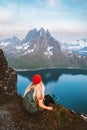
x=13, y=40
x=8, y=45
x=39, y=50
x=77, y=46
x=83, y=51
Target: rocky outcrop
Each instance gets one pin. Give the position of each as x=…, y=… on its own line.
x=14, y=117
x=8, y=76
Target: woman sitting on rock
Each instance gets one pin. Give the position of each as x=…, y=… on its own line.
x=34, y=95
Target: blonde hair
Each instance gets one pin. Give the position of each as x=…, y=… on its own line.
x=38, y=90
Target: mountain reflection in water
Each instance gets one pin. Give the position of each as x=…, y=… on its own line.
x=68, y=85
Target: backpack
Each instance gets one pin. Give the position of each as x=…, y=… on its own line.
x=29, y=103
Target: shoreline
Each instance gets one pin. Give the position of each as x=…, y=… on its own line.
x=39, y=69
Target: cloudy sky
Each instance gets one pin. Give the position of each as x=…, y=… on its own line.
x=17, y=17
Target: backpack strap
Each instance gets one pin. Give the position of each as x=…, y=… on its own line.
x=29, y=103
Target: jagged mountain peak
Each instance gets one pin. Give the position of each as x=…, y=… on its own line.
x=13, y=40
x=30, y=35
x=38, y=43
x=34, y=33
x=42, y=29
x=48, y=33
x=42, y=32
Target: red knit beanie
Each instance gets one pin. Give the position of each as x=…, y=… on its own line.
x=37, y=79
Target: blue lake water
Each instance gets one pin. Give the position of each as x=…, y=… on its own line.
x=68, y=85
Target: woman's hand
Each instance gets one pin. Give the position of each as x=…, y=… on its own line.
x=50, y=108
x=40, y=103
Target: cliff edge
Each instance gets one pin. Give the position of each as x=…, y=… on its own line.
x=14, y=117
x=8, y=76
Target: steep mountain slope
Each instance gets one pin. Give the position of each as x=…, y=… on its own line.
x=14, y=117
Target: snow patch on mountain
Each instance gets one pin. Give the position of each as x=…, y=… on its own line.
x=24, y=46
x=76, y=46
x=49, y=52
x=4, y=43
x=28, y=52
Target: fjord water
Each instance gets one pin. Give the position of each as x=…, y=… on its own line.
x=68, y=85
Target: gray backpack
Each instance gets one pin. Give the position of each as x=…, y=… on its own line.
x=29, y=103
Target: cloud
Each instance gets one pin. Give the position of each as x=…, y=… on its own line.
x=20, y=16
x=33, y=11
x=8, y=13
x=5, y=16
x=53, y=2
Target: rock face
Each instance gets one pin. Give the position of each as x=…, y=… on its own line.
x=8, y=76
x=14, y=117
